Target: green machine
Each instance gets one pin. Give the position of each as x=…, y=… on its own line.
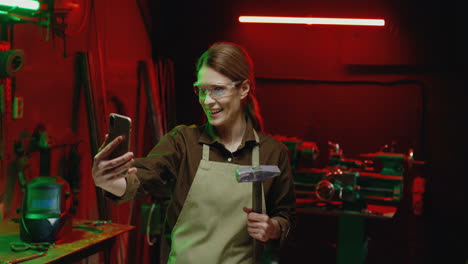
x=352, y=190
x=350, y=184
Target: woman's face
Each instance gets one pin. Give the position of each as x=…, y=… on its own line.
x=219, y=97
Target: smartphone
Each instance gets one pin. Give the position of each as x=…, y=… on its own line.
x=119, y=125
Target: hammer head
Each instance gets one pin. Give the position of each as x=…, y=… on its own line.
x=257, y=173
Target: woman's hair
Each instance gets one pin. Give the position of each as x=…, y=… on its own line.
x=235, y=63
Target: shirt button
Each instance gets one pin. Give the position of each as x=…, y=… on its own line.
x=229, y=159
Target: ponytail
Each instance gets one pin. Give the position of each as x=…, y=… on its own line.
x=252, y=110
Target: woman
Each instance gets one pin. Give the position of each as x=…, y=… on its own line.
x=209, y=218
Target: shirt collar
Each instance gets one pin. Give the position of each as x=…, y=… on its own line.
x=208, y=135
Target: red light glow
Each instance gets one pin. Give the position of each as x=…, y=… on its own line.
x=313, y=20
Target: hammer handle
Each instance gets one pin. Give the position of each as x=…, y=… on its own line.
x=257, y=208
x=257, y=197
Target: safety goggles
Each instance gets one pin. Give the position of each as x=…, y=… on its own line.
x=215, y=91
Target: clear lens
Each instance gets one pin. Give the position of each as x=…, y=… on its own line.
x=218, y=91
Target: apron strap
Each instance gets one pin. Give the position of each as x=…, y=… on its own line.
x=255, y=151
x=206, y=152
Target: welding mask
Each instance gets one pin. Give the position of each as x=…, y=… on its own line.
x=45, y=210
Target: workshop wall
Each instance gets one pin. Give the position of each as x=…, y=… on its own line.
x=309, y=75
x=115, y=38
x=113, y=34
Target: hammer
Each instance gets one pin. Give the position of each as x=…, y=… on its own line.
x=256, y=174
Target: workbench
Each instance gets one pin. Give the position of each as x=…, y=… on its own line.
x=77, y=244
x=351, y=243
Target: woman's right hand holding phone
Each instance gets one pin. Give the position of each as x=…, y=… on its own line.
x=110, y=174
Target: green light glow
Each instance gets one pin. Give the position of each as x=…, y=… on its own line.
x=23, y=4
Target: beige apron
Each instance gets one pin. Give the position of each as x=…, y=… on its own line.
x=212, y=227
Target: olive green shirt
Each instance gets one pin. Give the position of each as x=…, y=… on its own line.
x=170, y=167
